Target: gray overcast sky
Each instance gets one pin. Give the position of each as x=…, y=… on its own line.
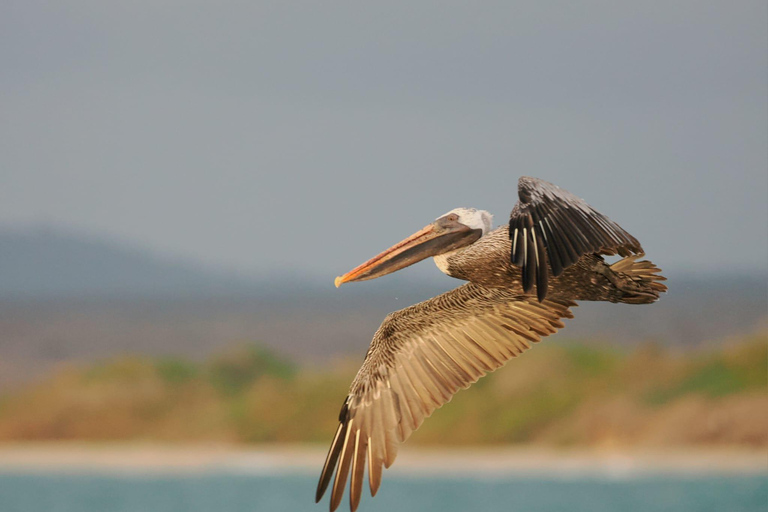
x=275, y=135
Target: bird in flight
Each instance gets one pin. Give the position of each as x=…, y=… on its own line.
x=522, y=279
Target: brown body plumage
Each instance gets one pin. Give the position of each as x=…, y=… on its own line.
x=423, y=354
x=487, y=263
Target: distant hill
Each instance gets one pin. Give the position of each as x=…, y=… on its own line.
x=44, y=262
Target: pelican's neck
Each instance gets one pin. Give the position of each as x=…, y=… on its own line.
x=485, y=254
x=441, y=260
x=451, y=263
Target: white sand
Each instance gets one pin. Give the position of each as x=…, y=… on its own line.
x=412, y=461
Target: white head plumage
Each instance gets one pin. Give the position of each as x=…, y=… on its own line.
x=473, y=218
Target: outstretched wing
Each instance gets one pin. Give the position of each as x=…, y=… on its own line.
x=551, y=224
x=418, y=359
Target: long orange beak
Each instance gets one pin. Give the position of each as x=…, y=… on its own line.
x=436, y=238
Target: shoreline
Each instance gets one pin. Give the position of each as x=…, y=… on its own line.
x=135, y=459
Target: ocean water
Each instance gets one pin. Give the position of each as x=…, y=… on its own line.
x=221, y=492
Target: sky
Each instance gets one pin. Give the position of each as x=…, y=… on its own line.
x=305, y=137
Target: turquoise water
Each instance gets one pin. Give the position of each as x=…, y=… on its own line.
x=230, y=493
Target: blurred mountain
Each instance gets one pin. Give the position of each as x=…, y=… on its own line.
x=45, y=262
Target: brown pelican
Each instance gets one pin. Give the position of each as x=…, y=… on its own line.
x=423, y=354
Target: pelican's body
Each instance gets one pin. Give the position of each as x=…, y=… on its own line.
x=423, y=354
x=487, y=263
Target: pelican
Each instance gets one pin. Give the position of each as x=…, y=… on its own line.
x=522, y=279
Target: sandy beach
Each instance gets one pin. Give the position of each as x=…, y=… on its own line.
x=307, y=459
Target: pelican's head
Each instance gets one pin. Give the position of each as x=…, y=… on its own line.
x=458, y=228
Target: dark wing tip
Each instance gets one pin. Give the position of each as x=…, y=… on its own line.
x=330, y=462
x=333, y=453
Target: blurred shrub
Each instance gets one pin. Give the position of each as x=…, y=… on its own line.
x=733, y=370
x=176, y=371
x=235, y=371
x=558, y=392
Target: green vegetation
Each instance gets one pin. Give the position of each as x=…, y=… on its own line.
x=717, y=375
x=233, y=373
x=176, y=371
x=559, y=393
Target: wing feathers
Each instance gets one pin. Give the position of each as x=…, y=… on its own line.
x=419, y=358
x=445, y=381
x=409, y=408
x=550, y=225
x=453, y=367
x=358, y=469
x=374, y=468
x=389, y=421
x=343, y=468
x=479, y=358
x=330, y=461
x=421, y=393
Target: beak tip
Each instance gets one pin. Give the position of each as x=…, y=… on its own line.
x=338, y=281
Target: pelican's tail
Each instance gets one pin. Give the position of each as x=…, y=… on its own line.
x=638, y=282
